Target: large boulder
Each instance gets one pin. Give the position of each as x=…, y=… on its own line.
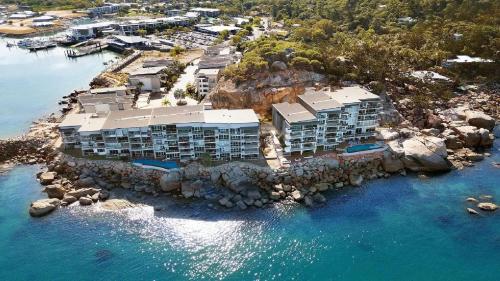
x=425, y=154
x=84, y=182
x=479, y=119
x=469, y=135
x=487, y=139
x=82, y=192
x=47, y=177
x=355, y=179
x=42, y=207
x=391, y=163
x=187, y=189
x=171, y=181
x=55, y=191
x=85, y=201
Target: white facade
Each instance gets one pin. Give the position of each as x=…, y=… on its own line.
x=323, y=119
x=181, y=133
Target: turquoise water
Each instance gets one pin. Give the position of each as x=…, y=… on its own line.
x=404, y=228
x=362, y=147
x=157, y=163
x=31, y=84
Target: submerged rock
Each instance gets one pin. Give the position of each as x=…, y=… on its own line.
x=486, y=206
x=43, y=207
x=117, y=204
x=472, y=211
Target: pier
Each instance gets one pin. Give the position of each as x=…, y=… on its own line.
x=78, y=51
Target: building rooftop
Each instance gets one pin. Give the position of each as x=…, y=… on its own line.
x=319, y=101
x=93, y=25
x=177, y=115
x=147, y=71
x=107, y=90
x=219, y=28
x=130, y=39
x=354, y=94
x=127, y=119
x=219, y=61
x=94, y=123
x=465, y=59
x=199, y=9
x=75, y=119
x=233, y=116
x=294, y=112
x=209, y=71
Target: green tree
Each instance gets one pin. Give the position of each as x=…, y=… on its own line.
x=179, y=94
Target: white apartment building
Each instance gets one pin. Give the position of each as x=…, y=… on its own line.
x=177, y=133
x=206, y=80
x=333, y=117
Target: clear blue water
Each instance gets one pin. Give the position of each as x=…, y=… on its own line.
x=404, y=228
x=362, y=147
x=31, y=84
x=157, y=163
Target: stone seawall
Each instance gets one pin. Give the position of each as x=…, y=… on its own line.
x=235, y=184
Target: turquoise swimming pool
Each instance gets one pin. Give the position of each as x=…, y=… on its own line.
x=157, y=163
x=362, y=147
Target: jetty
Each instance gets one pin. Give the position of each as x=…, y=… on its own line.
x=80, y=51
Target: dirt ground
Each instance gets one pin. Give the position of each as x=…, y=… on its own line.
x=23, y=26
x=185, y=57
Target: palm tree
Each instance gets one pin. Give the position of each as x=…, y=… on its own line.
x=179, y=94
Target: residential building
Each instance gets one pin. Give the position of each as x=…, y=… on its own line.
x=173, y=12
x=181, y=133
x=147, y=79
x=206, y=12
x=333, y=117
x=108, y=8
x=297, y=127
x=206, y=80
x=131, y=27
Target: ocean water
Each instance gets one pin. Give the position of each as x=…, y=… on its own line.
x=404, y=228
x=31, y=84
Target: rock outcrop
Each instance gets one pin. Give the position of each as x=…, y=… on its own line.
x=117, y=204
x=479, y=119
x=420, y=154
x=43, y=207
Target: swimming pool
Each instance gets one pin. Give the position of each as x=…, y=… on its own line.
x=156, y=163
x=362, y=147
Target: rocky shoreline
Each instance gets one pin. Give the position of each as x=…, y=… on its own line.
x=237, y=184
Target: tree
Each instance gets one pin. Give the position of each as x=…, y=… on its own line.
x=191, y=91
x=139, y=86
x=175, y=51
x=224, y=35
x=179, y=94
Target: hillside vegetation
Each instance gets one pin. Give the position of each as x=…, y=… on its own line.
x=363, y=41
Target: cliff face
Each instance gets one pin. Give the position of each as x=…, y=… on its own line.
x=264, y=90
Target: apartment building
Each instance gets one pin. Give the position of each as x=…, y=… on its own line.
x=333, y=117
x=297, y=126
x=206, y=12
x=179, y=133
x=211, y=64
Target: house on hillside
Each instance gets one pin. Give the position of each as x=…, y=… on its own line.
x=147, y=79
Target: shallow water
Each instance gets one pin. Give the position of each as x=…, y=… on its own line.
x=31, y=83
x=404, y=228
